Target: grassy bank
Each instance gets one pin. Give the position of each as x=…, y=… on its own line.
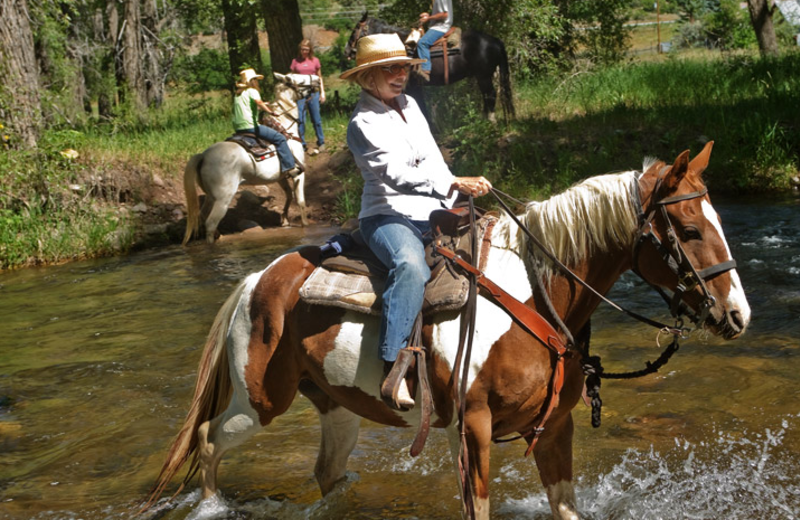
x=587, y=123
x=568, y=127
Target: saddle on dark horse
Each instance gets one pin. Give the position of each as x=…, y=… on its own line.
x=449, y=44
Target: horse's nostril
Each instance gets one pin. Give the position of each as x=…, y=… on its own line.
x=737, y=321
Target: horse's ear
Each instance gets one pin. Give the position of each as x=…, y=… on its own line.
x=279, y=77
x=365, y=16
x=677, y=172
x=700, y=163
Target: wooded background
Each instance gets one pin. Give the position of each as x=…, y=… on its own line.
x=61, y=61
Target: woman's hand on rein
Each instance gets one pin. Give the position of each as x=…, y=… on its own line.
x=475, y=186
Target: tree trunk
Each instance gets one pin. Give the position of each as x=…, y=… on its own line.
x=130, y=57
x=761, y=17
x=107, y=92
x=158, y=55
x=240, y=27
x=284, y=30
x=20, y=106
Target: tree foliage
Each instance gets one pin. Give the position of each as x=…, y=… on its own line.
x=103, y=58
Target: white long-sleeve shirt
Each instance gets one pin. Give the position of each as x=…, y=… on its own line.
x=404, y=171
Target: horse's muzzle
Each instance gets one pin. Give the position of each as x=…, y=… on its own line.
x=726, y=324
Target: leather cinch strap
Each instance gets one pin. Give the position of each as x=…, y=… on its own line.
x=531, y=321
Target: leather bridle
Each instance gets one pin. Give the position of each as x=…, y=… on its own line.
x=673, y=254
x=287, y=112
x=362, y=29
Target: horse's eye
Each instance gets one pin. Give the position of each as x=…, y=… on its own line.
x=691, y=233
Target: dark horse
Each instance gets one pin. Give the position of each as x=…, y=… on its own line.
x=481, y=55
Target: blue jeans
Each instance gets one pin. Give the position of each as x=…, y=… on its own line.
x=279, y=140
x=399, y=244
x=312, y=102
x=424, y=47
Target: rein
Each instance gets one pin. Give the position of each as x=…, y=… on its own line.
x=287, y=113
x=675, y=258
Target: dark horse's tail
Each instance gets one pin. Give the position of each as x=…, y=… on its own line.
x=506, y=98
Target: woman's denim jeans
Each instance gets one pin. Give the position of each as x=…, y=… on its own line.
x=279, y=140
x=424, y=47
x=312, y=103
x=398, y=243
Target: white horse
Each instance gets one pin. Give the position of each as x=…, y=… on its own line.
x=224, y=166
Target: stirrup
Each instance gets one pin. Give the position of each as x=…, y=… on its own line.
x=293, y=173
x=392, y=384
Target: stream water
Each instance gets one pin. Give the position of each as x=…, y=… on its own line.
x=97, y=367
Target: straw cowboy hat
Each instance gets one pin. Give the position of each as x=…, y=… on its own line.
x=379, y=49
x=245, y=76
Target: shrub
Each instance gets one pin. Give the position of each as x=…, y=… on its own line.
x=208, y=70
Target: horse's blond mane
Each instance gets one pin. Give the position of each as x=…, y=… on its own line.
x=594, y=215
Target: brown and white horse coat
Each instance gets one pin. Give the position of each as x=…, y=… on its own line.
x=274, y=343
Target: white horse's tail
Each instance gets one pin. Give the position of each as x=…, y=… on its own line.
x=190, y=177
x=212, y=394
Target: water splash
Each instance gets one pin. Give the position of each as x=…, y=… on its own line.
x=733, y=477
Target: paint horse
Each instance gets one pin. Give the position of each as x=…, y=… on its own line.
x=480, y=56
x=266, y=343
x=224, y=166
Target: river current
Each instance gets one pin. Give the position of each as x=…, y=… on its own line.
x=97, y=367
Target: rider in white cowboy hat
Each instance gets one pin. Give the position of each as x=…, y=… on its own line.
x=405, y=178
x=246, y=104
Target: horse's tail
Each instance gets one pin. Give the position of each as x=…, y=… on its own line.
x=190, y=177
x=212, y=394
x=506, y=97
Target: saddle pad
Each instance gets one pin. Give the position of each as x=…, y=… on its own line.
x=438, y=53
x=362, y=293
x=355, y=292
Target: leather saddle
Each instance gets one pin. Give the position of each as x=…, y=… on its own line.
x=258, y=148
x=450, y=43
x=355, y=278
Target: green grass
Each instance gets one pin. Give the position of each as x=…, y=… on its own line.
x=162, y=140
x=591, y=122
x=34, y=236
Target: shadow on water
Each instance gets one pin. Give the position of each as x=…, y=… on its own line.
x=98, y=360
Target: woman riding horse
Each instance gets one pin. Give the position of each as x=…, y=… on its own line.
x=480, y=56
x=246, y=104
x=405, y=178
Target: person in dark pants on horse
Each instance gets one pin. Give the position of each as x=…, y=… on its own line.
x=246, y=104
x=442, y=16
x=405, y=178
x=307, y=63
